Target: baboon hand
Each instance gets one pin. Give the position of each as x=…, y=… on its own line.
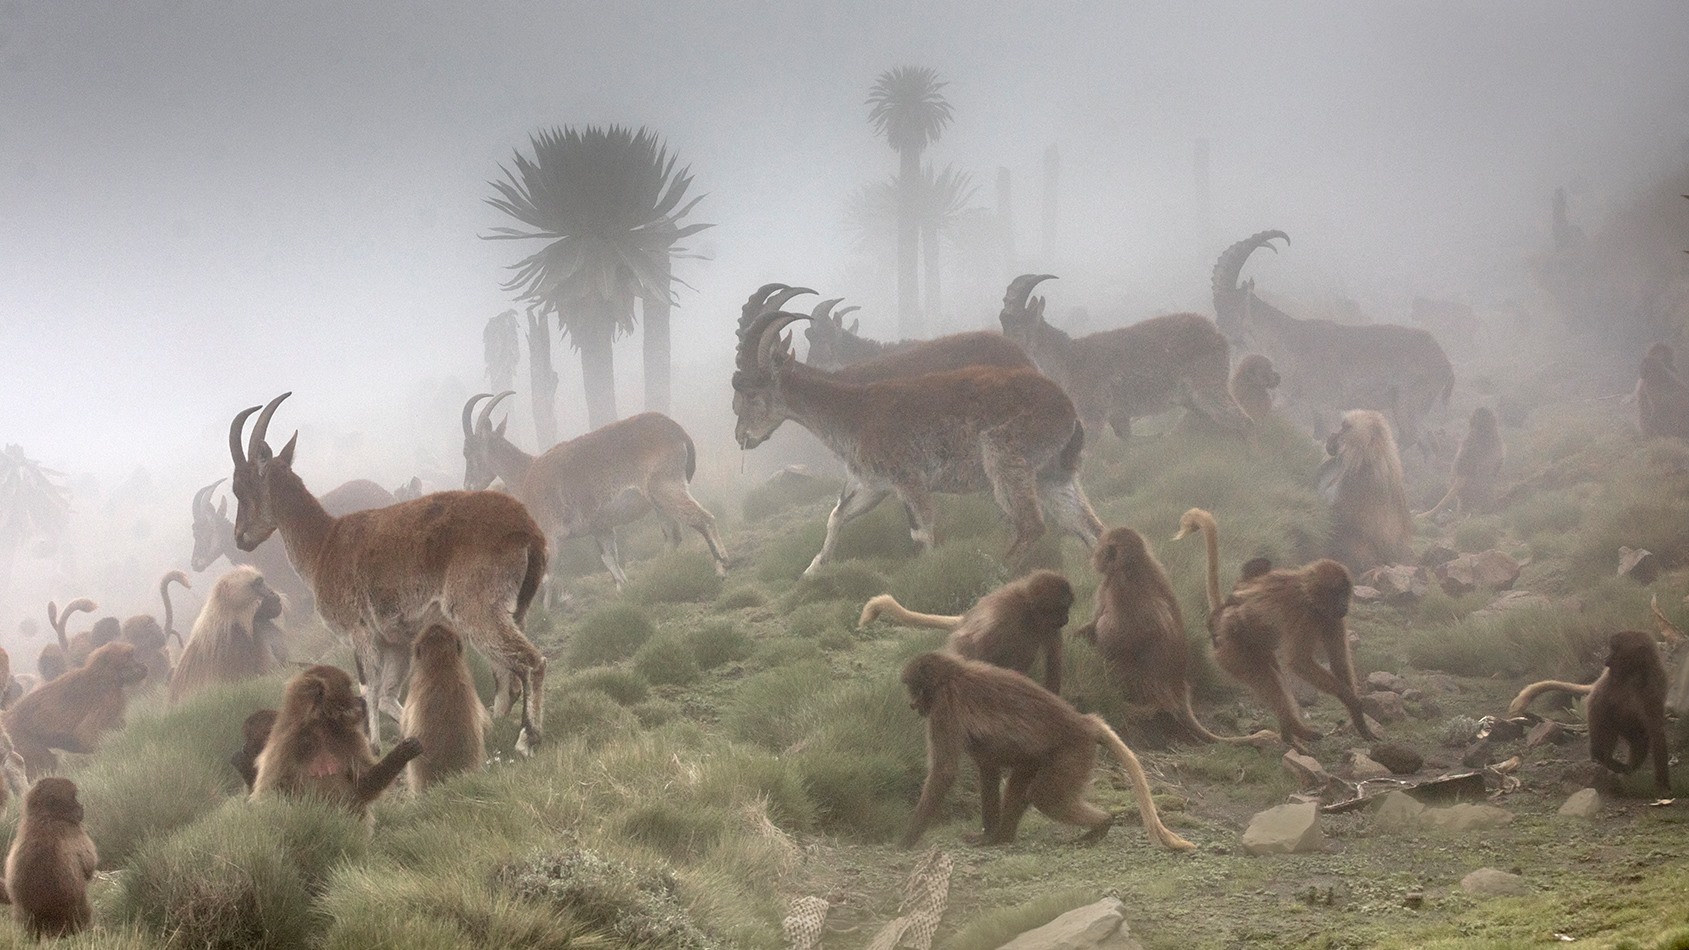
x=408, y=748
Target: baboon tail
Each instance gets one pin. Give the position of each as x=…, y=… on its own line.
x=1456, y=486
x=1531, y=692
x=1158, y=833
x=531, y=580
x=1075, y=447
x=691, y=455
x=886, y=605
x=1264, y=739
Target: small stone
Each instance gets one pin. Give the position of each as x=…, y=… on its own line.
x=1438, y=553
x=1379, y=680
x=1510, y=600
x=1306, y=770
x=1449, y=788
x=1463, y=818
x=1366, y=594
x=1426, y=708
x=1507, y=730
x=1477, y=755
x=1396, y=810
x=1384, y=706
x=1585, y=803
x=1638, y=564
x=1488, y=570
x=1398, y=758
x=1098, y=926
x=1286, y=829
x=1547, y=731
x=1362, y=768
x=1398, y=583
x=1489, y=882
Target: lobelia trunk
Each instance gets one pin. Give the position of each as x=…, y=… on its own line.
x=908, y=246
x=542, y=380
x=595, y=336
x=935, y=290
x=658, y=312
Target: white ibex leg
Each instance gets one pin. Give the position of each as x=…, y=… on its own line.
x=855, y=500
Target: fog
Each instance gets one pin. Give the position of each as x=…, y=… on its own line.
x=204, y=205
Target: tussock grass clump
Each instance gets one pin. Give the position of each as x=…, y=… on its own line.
x=608, y=634
x=1537, y=642
x=785, y=491
x=740, y=598
x=720, y=642
x=948, y=579
x=865, y=758
x=837, y=581
x=589, y=717
x=1478, y=534
x=782, y=652
x=993, y=928
x=390, y=907
x=619, y=683
x=1546, y=513
x=635, y=906
x=667, y=660
x=245, y=876
x=1644, y=504
x=831, y=624
x=777, y=708
x=676, y=577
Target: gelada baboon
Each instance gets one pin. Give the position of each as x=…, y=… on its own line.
x=1140, y=632
x=1362, y=481
x=442, y=710
x=105, y=630
x=235, y=637
x=1477, y=466
x=1008, y=627
x=1252, y=384
x=73, y=711
x=255, y=732
x=51, y=861
x=55, y=657
x=1627, y=701
x=1300, y=612
x=318, y=748
x=1008, y=723
x=1662, y=398
x=152, y=641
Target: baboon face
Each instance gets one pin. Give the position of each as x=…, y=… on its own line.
x=53, y=797
x=117, y=662
x=1121, y=551
x=1052, y=595
x=1630, y=652
x=1329, y=588
x=437, y=643
x=1257, y=370
x=923, y=676
x=328, y=696
x=269, y=602
x=144, y=632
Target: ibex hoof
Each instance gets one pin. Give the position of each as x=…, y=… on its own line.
x=526, y=742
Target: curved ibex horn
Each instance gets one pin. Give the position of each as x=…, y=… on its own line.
x=1020, y=288
x=824, y=310
x=235, y=428
x=469, y=410
x=1230, y=263
x=261, y=428
x=753, y=304
x=486, y=416
x=202, y=498
x=774, y=303
x=771, y=334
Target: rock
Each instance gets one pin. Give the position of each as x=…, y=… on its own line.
x=1437, y=554
x=1304, y=691
x=1412, y=695
x=1638, y=564
x=1286, y=829
x=1463, y=818
x=1379, y=680
x=1585, y=803
x=1362, y=768
x=1449, y=788
x=1477, y=755
x=1366, y=594
x=1398, y=583
x=1547, y=731
x=1384, y=706
x=1424, y=707
x=1306, y=770
x=1398, y=758
x=1505, y=730
x=1489, y=570
x=1511, y=600
x=1396, y=810
x=1489, y=882
x=1099, y=926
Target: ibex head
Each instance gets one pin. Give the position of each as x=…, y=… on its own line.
x=479, y=436
x=1021, y=311
x=824, y=335
x=255, y=473
x=211, y=526
x=763, y=356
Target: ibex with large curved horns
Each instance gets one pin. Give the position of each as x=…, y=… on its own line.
x=1009, y=430
x=1121, y=374
x=1329, y=368
x=476, y=556
x=833, y=347
x=594, y=483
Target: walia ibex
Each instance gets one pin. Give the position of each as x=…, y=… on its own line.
x=476, y=556
x=593, y=483
x=834, y=348
x=1139, y=370
x=1327, y=367
x=1010, y=430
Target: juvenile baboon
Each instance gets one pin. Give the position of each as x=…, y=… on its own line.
x=235, y=637
x=255, y=732
x=51, y=862
x=1627, y=701
x=152, y=641
x=1477, y=466
x=1008, y=723
x=1362, y=481
x=1140, y=632
x=1009, y=627
x=55, y=657
x=105, y=630
x=1252, y=384
x=442, y=710
x=318, y=747
x=1662, y=398
x=1299, y=611
x=73, y=711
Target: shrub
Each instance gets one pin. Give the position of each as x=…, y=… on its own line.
x=782, y=652
x=619, y=683
x=777, y=708
x=666, y=660
x=739, y=598
x=719, y=642
x=608, y=634
x=589, y=717
x=831, y=624
x=674, y=577
x=846, y=581
x=638, y=907
x=389, y=907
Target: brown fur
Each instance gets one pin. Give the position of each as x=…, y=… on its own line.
x=1009, y=627
x=50, y=863
x=318, y=748
x=151, y=640
x=1477, y=466
x=1008, y=723
x=1662, y=398
x=836, y=349
x=106, y=630
x=233, y=636
x=442, y=710
x=1251, y=387
x=476, y=556
x=1627, y=701
x=1297, y=612
x=1009, y=430
x=54, y=660
x=255, y=734
x=72, y=712
x=1121, y=374
x=1362, y=481
x=1140, y=632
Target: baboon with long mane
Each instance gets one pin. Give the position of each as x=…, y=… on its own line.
x=1362, y=482
x=234, y=638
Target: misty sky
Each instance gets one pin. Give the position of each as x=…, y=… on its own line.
x=205, y=204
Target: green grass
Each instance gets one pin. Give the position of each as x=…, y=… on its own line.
x=608, y=634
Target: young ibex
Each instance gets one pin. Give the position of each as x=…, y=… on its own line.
x=477, y=556
x=1009, y=430
x=594, y=483
x=836, y=349
x=1327, y=367
x=1139, y=370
